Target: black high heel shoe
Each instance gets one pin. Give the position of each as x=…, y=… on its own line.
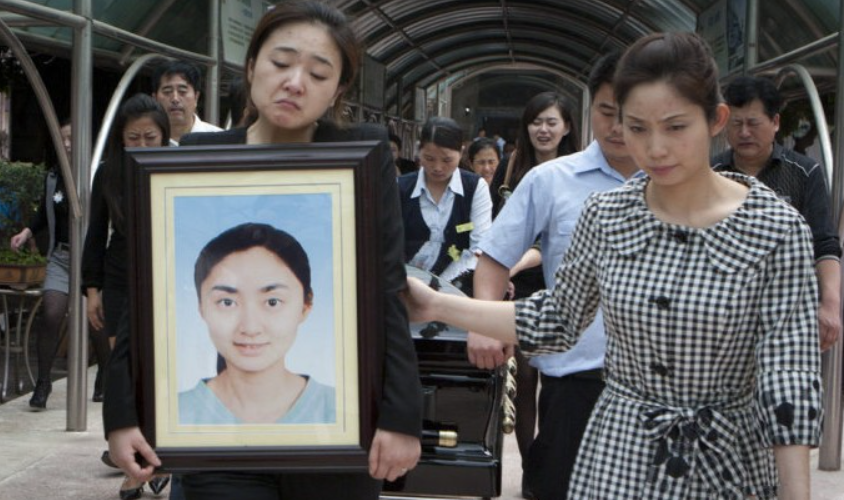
x=106, y=459
x=158, y=483
x=130, y=493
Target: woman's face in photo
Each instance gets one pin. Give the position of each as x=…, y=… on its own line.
x=253, y=305
x=546, y=131
x=439, y=163
x=295, y=77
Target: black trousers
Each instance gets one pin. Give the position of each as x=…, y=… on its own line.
x=565, y=404
x=291, y=486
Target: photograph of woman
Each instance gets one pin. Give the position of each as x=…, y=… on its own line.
x=253, y=285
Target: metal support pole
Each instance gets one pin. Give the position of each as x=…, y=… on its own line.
x=212, y=81
x=817, y=111
x=82, y=101
x=751, y=43
x=829, y=456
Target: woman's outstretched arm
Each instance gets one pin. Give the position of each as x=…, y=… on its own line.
x=493, y=319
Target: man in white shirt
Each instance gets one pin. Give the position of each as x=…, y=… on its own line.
x=175, y=85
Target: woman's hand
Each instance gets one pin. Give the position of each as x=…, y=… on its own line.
x=123, y=444
x=486, y=353
x=94, y=309
x=830, y=324
x=419, y=299
x=393, y=454
x=19, y=239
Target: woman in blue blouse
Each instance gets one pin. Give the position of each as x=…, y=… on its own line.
x=253, y=283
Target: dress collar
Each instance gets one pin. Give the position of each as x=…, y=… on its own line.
x=742, y=239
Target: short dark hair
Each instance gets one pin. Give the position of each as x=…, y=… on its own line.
x=443, y=132
x=338, y=28
x=250, y=235
x=682, y=60
x=479, y=145
x=396, y=139
x=183, y=68
x=744, y=89
x=602, y=71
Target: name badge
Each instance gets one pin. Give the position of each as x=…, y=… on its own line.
x=462, y=228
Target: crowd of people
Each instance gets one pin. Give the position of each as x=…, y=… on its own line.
x=673, y=305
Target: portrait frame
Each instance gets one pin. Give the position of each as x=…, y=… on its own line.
x=326, y=193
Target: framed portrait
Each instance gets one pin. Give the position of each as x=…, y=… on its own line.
x=255, y=303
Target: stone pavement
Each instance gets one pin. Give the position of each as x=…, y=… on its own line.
x=39, y=460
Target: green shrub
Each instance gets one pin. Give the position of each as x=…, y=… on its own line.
x=22, y=258
x=21, y=188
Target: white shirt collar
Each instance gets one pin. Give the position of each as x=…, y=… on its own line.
x=455, y=185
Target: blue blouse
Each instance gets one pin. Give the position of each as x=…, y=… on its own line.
x=200, y=406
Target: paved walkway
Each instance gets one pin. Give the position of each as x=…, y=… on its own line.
x=39, y=460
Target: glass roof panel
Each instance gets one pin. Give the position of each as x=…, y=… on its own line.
x=425, y=40
x=787, y=25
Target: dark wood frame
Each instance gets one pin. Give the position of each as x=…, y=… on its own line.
x=364, y=160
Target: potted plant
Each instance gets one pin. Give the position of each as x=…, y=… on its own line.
x=21, y=185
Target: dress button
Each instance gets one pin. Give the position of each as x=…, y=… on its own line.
x=661, y=302
x=681, y=236
x=659, y=368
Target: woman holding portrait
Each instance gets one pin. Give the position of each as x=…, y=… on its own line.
x=301, y=59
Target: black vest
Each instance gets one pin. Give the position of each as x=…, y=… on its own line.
x=417, y=233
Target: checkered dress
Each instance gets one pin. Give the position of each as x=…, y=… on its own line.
x=712, y=353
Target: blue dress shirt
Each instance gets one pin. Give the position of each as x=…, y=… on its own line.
x=546, y=205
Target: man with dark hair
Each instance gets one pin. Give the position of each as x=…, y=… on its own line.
x=801, y=181
x=546, y=206
x=174, y=86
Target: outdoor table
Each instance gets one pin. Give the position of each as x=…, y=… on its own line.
x=16, y=335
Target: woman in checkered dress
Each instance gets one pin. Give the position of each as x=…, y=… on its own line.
x=709, y=298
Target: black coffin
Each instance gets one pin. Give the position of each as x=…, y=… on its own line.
x=461, y=397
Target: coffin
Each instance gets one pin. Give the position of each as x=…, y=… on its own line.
x=458, y=397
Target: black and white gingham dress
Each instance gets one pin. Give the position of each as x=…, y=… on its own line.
x=712, y=354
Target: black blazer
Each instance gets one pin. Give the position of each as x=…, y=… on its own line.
x=400, y=409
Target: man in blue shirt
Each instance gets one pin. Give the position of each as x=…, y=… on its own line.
x=547, y=205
